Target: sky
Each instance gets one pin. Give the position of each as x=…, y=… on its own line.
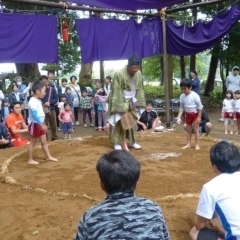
x=115, y=65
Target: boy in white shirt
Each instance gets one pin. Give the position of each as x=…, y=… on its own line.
x=37, y=127
x=190, y=103
x=221, y=196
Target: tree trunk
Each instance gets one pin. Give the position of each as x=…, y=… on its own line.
x=27, y=70
x=102, y=74
x=170, y=75
x=211, y=75
x=182, y=67
x=192, y=62
x=85, y=75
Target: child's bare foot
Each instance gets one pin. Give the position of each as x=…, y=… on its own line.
x=33, y=162
x=186, y=147
x=226, y=132
x=237, y=133
x=125, y=147
x=197, y=147
x=231, y=132
x=52, y=159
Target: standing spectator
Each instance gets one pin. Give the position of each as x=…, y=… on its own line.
x=62, y=88
x=1, y=97
x=76, y=92
x=101, y=101
x=228, y=111
x=49, y=102
x=5, y=139
x=195, y=82
x=61, y=108
x=98, y=84
x=122, y=215
x=220, y=197
x=66, y=118
x=108, y=85
x=5, y=110
x=27, y=93
x=16, y=125
x=52, y=80
x=86, y=106
x=15, y=95
x=233, y=80
x=69, y=97
x=21, y=88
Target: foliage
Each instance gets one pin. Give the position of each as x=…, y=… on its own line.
x=154, y=92
x=151, y=67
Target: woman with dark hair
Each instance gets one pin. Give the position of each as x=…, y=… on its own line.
x=195, y=82
x=76, y=93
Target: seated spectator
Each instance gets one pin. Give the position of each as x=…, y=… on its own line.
x=205, y=126
x=122, y=215
x=5, y=110
x=16, y=125
x=5, y=139
x=149, y=118
x=220, y=197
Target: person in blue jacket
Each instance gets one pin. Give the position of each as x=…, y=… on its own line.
x=195, y=82
x=5, y=139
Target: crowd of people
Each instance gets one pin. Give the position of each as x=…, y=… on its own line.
x=120, y=109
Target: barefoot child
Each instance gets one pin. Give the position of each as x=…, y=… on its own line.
x=228, y=111
x=66, y=118
x=237, y=110
x=191, y=104
x=37, y=127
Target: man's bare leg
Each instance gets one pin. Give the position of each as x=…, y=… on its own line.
x=189, y=135
x=31, y=145
x=43, y=140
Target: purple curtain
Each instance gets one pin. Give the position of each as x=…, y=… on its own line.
x=102, y=39
x=28, y=38
x=128, y=4
x=184, y=40
x=113, y=39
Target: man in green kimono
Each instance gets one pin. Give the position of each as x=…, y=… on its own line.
x=127, y=95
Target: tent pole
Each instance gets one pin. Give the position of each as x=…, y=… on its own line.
x=165, y=68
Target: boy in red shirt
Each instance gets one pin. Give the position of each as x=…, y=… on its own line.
x=16, y=125
x=66, y=117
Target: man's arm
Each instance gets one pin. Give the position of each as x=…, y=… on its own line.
x=54, y=97
x=82, y=230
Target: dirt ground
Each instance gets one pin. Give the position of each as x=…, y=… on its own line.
x=47, y=201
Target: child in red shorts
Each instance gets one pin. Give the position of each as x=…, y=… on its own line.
x=190, y=103
x=37, y=127
x=228, y=111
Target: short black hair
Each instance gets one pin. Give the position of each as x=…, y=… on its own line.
x=226, y=157
x=72, y=78
x=109, y=78
x=237, y=92
x=194, y=71
x=64, y=80
x=186, y=83
x=66, y=104
x=149, y=102
x=14, y=85
x=43, y=77
x=62, y=96
x=119, y=171
x=13, y=104
x=37, y=86
x=67, y=88
x=84, y=90
x=229, y=92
